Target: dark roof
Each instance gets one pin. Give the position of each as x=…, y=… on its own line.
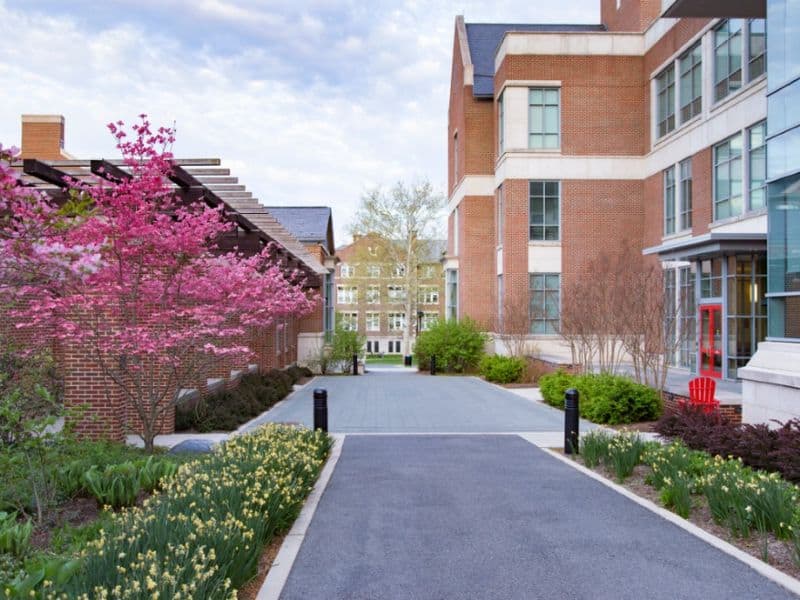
x=484, y=39
x=309, y=224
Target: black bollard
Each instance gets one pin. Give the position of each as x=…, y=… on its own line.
x=321, y=409
x=571, y=422
x=355, y=364
x=433, y=365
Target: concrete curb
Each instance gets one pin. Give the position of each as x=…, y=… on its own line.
x=771, y=573
x=282, y=565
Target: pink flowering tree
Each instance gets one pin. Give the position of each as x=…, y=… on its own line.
x=144, y=288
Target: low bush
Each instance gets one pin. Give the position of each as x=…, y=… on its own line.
x=594, y=447
x=610, y=399
x=502, y=369
x=457, y=346
x=115, y=486
x=203, y=535
x=623, y=454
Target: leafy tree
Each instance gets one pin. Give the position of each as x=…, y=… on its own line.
x=344, y=344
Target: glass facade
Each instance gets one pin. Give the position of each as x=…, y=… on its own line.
x=544, y=209
x=545, y=302
x=746, y=308
x=544, y=116
x=784, y=258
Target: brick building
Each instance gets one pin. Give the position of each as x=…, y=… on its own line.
x=647, y=130
x=43, y=166
x=371, y=294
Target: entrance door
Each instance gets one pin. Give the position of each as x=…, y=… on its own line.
x=711, y=340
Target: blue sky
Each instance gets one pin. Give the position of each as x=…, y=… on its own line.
x=307, y=101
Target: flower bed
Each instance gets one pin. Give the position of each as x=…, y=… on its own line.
x=755, y=510
x=203, y=535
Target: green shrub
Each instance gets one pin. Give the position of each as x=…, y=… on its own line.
x=115, y=486
x=15, y=537
x=457, y=346
x=502, y=369
x=553, y=385
x=345, y=343
x=154, y=472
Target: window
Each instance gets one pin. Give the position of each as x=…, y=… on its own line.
x=428, y=294
x=545, y=302
x=397, y=293
x=728, y=178
x=349, y=321
x=669, y=201
x=399, y=271
x=373, y=321
x=397, y=322
x=500, y=126
x=429, y=319
x=727, y=58
x=452, y=294
x=373, y=294
x=373, y=271
x=376, y=346
x=428, y=272
x=665, y=98
x=757, y=48
x=347, y=271
x=543, y=118
x=499, y=217
x=346, y=294
x=691, y=82
x=544, y=210
x=685, y=174
x=329, y=308
x=757, y=157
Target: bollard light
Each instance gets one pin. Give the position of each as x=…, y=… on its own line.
x=433, y=365
x=571, y=421
x=321, y=409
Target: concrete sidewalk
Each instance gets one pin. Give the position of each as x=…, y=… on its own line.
x=494, y=517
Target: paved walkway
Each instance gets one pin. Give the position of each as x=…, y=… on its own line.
x=485, y=517
x=414, y=403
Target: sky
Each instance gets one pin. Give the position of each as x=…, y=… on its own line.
x=309, y=102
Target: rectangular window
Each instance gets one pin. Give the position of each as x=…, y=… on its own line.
x=688, y=315
x=669, y=201
x=347, y=271
x=397, y=322
x=373, y=271
x=499, y=217
x=665, y=99
x=727, y=58
x=544, y=118
x=349, y=321
x=685, y=168
x=399, y=271
x=346, y=294
x=757, y=48
x=373, y=321
x=500, y=125
x=397, y=293
x=544, y=210
x=373, y=294
x=756, y=145
x=428, y=294
x=691, y=82
x=376, y=346
x=545, y=302
x=428, y=272
x=429, y=319
x=452, y=294
x=728, y=178
x=328, y=314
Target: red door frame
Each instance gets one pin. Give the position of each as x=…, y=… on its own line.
x=707, y=346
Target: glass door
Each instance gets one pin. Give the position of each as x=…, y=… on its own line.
x=711, y=340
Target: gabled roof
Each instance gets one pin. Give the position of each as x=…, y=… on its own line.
x=485, y=38
x=309, y=224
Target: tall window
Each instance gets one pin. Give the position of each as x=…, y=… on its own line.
x=544, y=210
x=347, y=271
x=499, y=218
x=397, y=322
x=500, y=126
x=373, y=294
x=545, y=292
x=428, y=294
x=428, y=320
x=727, y=58
x=757, y=47
x=685, y=169
x=452, y=294
x=756, y=146
x=373, y=321
x=728, y=200
x=543, y=118
x=669, y=201
x=347, y=294
x=691, y=82
x=349, y=321
x=397, y=293
x=665, y=95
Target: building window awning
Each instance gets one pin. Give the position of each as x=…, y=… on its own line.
x=708, y=245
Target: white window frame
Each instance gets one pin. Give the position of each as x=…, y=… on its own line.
x=373, y=271
x=373, y=294
x=669, y=186
x=347, y=271
x=396, y=321
x=373, y=321
x=349, y=320
x=398, y=271
x=346, y=294
x=428, y=320
x=429, y=294
x=395, y=294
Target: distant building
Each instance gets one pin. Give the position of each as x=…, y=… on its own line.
x=371, y=294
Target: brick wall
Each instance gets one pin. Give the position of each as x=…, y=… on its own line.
x=42, y=136
x=632, y=15
x=515, y=238
x=672, y=401
x=477, y=261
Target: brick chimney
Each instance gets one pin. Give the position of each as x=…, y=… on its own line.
x=43, y=137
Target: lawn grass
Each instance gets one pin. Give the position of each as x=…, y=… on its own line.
x=386, y=359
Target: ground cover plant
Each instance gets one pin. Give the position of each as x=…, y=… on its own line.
x=502, y=369
x=457, y=346
x=604, y=398
x=757, y=509
x=202, y=536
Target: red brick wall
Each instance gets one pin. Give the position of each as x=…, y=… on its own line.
x=632, y=15
x=515, y=238
x=42, y=140
x=477, y=259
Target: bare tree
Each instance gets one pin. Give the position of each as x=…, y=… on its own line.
x=402, y=221
x=514, y=326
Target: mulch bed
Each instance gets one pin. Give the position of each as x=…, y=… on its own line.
x=250, y=590
x=75, y=512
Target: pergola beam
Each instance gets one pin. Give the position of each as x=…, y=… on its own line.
x=43, y=171
x=107, y=170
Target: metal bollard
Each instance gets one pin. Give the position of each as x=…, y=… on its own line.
x=571, y=422
x=433, y=365
x=407, y=360
x=355, y=364
x=321, y=409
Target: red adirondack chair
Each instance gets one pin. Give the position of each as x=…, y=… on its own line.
x=701, y=393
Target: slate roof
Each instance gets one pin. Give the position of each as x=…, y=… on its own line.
x=484, y=39
x=309, y=224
